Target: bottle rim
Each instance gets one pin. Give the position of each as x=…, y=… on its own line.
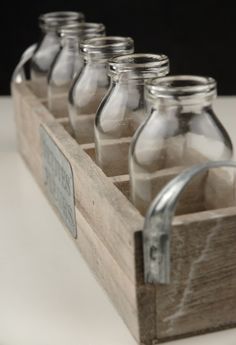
x=77, y=29
x=153, y=64
x=53, y=20
x=107, y=46
x=181, y=86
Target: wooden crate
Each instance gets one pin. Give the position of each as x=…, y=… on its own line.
x=107, y=229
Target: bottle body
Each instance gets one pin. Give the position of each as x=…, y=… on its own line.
x=91, y=85
x=121, y=112
x=68, y=63
x=48, y=47
x=124, y=108
x=176, y=134
x=86, y=93
x=42, y=60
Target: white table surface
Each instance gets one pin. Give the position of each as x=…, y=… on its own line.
x=48, y=296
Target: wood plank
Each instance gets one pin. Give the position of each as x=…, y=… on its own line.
x=220, y=188
x=64, y=121
x=29, y=118
x=90, y=150
x=201, y=295
x=120, y=289
x=122, y=183
x=58, y=102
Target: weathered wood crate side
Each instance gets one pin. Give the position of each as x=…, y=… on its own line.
x=112, y=223
x=28, y=122
x=106, y=221
x=202, y=295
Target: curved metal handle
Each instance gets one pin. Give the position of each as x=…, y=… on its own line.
x=18, y=75
x=157, y=225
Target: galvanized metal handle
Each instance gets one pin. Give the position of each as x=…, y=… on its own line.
x=18, y=75
x=157, y=225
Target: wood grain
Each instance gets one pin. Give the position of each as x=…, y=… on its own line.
x=201, y=294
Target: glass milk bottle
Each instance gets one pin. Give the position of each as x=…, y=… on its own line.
x=91, y=85
x=123, y=108
x=68, y=63
x=48, y=47
x=181, y=130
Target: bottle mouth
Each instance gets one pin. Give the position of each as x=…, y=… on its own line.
x=148, y=65
x=53, y=20
x=107, y=47
x=84, y=30
x=181, y=87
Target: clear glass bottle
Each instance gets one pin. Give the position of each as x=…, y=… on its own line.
x=48, y=47
x=91, y=85
x=123, y=108
x=181, y=130
x=68, y=63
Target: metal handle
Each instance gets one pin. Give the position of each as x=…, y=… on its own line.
x=157, y=225
x=18, y=75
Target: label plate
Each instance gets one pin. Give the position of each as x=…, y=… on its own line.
x=58, y=181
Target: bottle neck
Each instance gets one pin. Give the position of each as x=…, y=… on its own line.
x=97, y=71
x=96, y=63
x=70, y=42
x=50, y=33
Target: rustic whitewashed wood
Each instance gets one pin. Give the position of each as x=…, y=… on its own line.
x=122, y=183
x=58, y=101
x=66, y=124
x=108, y=228
x=90, y=150
x=131, y=300
x=220, y=188
x=202, y=294
x=30, y=114
x=108, y=272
